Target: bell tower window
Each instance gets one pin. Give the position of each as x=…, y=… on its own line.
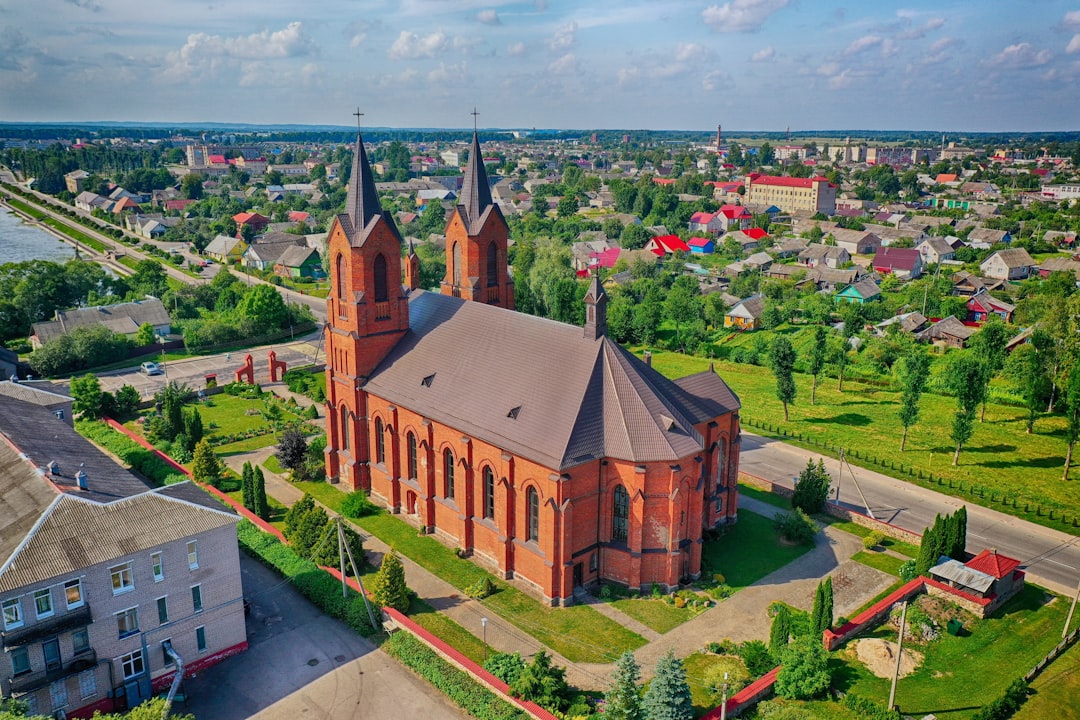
x=381, y=287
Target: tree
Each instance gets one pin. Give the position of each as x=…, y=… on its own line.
x=804, y=672
x=1029, y=371
x=634, y=237
x=817, y=359
x=668, y=696
x=683, y=306
x=292, y=449
x=839, y=355
x=965, y=378
x=125, y=401
x=308, y=532
x=989, y=346
x=87, y=396
x=782, y=362
x=297, y=511
x=543, y=683
x=388, y=588
x=205, y=465
x=956, y=537
x=914, y=369
x=260, y=506
x=264, y=307
x=780, y=631
x=145, y=335
x=811, y=487
x=932, y=546
x=247, y=487
x=193, y=427
x=1072, y=415
x=622, y=701
x=328, y=551
x=821, y=616
x=192, y=186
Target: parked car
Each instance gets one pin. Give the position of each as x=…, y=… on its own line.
x=150, y=368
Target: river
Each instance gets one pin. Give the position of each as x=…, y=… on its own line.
x=20, y=241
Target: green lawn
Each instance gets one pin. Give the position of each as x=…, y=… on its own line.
x=740, y=568
x=763, y=496
x=274, y=465
x=698, y=666
x=579, y=633
x=656, y=614
x=960, y=674
x=1056, y=690
x=911, y=551
x=1000, y=461
x=447, y=630
x=246, y=445
x=882, y=561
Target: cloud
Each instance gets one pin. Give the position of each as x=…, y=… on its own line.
x=715, y=80
x=1074, y=45
x=516, y=50
x=863, y=44
x=1071, y=21
x=841, y=80
x=625, y=76
x=741, y=15
x=564, y=38
x=91, y=5
x=13, y=49
x=202, y=50
x=689, y=52
x=941, y=51
x=921, y=31
x=541, y=5
x=410, y=46
x=446, y=73
x=488, y=17
x=565, y=65
x=765, y=54
x=1019, y=57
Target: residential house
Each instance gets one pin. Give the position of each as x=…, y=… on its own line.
x=1060, y=264
x=789, y=271
x=743, y=239
x=1010, y=264
x=178, y=204
x=299, y=261
x=75, y=180
x=735, y=217
x=828, y=279
x=862, y=291
x=89, y=201
x=817, y=254
x=966, y=284
x=935, y=249
x=788, y=247
x=856, y=242
x=704, y=222
x=99, y=573
x=124, y=318
x=759, y=261
x=909, y=322
x=948, y=332
x=226, y=249
x=982, y=305
x=746, y=314
x=988, y=575
x=888, y=235
x=264, y=253
x=51, y=396
x=984, y=237
x=665, y=244
x=790, y=194
x=253, y=220
x=904, y=263
x=702, y=245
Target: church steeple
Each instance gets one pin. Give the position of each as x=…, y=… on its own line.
x=362, y=201
x=475, y=191
x=595, y=309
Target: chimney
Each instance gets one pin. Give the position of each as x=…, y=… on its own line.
x=647, y=357
x=54, y=468
x=80, y=479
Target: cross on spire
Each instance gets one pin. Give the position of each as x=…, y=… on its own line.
x=358, y=115
x=474, y=114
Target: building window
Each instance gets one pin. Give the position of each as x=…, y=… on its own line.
x=200, y=638
x=382, y=293
x=43, y=603
x=158, y=564
x=196, y=597
x=532, y=515
x=80, y=641
x=719, y=503
x=341, y=285
x=13, y=616
x=448, y=474
x=492, y=265
x=344, y=428
x=166, y=658
x=380, y=442
x=193, y=554
x=163, y=609
x=721, y=463
x=410, y=441
x=87, y=684
x=620, y=516
x=594, y=563
x=73, y=594
x=455, y=255
x=489, y=494
x=58, y=695
x=20, y=660
x=132, y=664
x=122, y=579
x=127, y=622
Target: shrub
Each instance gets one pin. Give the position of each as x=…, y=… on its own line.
x=756, y=657
x=805, y=670
x=909, y=571
x=869, y=709
x=356, y=504
x=505, y=666
x=811, y=487
x=481, y=588
x=388, y=587
x=873, y=540
x=796, y=527
x=1005, y=706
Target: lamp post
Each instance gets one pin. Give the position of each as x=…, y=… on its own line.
x=723, y=703
x=483, y=624
x=164, y=370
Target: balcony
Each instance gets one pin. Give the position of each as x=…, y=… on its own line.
x=50, y=626
x=36, y=680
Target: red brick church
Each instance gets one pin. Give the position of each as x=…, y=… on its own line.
x=546, y=451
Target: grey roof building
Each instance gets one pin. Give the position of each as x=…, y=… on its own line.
x=124, y=318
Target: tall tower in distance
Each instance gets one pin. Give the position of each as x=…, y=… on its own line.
x=719, y=138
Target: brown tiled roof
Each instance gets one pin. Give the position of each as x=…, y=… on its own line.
x=575, y=399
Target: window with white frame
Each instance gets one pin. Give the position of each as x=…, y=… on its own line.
x=20, y=660
x=87, y=684
x=200, y=638
x=196, y=597
x=73, y=594
x=193, y=554
x=131, y=665
x=43, y=606
x=13, y=615
x=158, y=564
x=127, y=622
x=58, y=695
x=80, y=640
x=123, y=580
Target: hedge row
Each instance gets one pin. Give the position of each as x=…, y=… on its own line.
x=868, y=709
x=314, y=583
x=143, y=461
x=468, y=694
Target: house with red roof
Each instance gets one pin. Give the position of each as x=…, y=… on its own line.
x=663, y=181
x=702, y=245
x=904, y=263
x=218, y=160
x=177, y=204
x=704, y=222
x=945, y=178
x=990, y=578
x=298, y=216
x=662, y=245
x=982, y=305
x=736, y=217
x=254, y=219
x=726, y=192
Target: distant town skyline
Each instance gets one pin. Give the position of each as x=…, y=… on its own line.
x=766, y=64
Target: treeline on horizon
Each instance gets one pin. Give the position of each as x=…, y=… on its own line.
x=246, y=134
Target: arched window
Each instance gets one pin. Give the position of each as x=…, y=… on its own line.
x=532, y=515
x=340, y=272
x=448, y=474
x=344, y=428
x=455, y=258
x=492, y=265
x=381, y=292
x=620, y=514
x=489, y=494
x=721, y=463
x=380, y=443
x=410, y=442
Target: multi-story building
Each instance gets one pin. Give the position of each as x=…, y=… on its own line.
x=98, y=572
x=791, y=194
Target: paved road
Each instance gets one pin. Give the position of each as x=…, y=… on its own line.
x=1051, y=558
x=303, y=664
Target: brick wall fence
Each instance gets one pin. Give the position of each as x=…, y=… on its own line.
x=402, y=621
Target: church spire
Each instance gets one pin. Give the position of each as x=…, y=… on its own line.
x=595, y=308
x=475, y=191
x=362, y=202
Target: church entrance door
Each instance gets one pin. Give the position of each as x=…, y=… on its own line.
x=578, y=575
x=410, y=502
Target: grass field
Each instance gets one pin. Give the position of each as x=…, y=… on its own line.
x=1000, y=461
x=879, y=560
x=728, y=554
x=698, y=668
x=1057, y=690
x=656, y=614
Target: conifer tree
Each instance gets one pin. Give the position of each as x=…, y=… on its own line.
x=297, y=511
x=958, y=534
x=782, y=363
x=622, y=701
x=779, y=632
x=388, y=588
x=818, y=353
x=205, y=466
x=246, y=487
x=309, y=530
x=817, y=612
x=827, y=616
x=193, y=426
x=668, y=696
x=260, y=505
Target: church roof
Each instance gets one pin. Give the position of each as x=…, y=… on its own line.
x=475, y=200
x=362, y=208
x=540, y=388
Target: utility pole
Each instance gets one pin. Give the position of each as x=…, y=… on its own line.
x=723, y=703
x=866, y=505
x=342, y=545
x=899, y=654
x=1068, y=620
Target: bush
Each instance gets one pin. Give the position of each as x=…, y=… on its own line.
x=909, y=571
x=505, y=666
x=811, y=487
x=869, y=709
x=873, y=540
x=356, y=505
x=141, y=460
x=1005, y=706
x=480, y=589
x=756, y=657
x=805, y=670
x=796, y=527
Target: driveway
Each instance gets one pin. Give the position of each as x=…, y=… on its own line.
x=303, y=664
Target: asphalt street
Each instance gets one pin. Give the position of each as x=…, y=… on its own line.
x=1051, y=558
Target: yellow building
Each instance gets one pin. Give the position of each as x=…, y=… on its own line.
x=791, y=194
